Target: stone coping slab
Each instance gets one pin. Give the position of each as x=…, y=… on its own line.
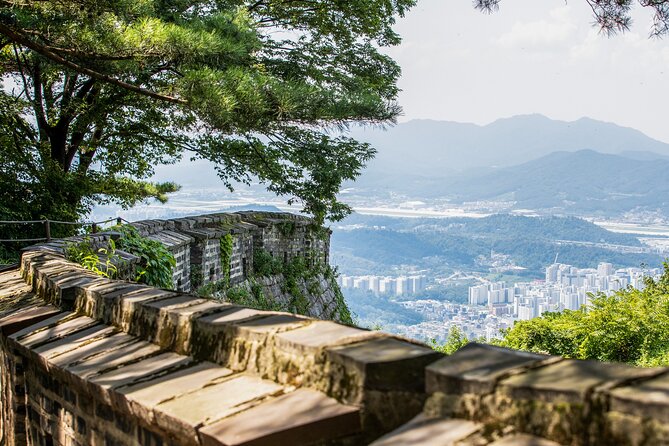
x=19, y=320
x=476, y=368
x=320, y=334
x=523, y=440
x=167, y=387
x=643, y=399
x=187, y=413
x=570, y=380
x=387, y=363
x=430, y=432
x=299, y=418
x=63, y=326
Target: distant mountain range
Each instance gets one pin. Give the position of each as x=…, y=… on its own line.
x=585, y=166
x=581, y=167
x=583, y=181
x=439, y=148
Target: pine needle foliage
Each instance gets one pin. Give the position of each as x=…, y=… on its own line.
x=97, y=93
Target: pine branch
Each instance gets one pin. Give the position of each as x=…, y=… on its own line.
x=44, y=51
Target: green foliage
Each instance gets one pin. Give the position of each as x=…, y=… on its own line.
x=296, y=275
x=294, y=272
x=629, y=326
x=96, y=94
x=156, y=262
x=226, y=244
x=456, y=340
x=101, y=261
x=264, y=265
x=286, y=228
x=195, y=277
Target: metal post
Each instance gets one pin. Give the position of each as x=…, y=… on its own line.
x=94, y=228
x=47, y=229
x=119, y=221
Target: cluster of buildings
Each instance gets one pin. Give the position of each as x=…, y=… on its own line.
x=564, y=288
x=400, y=286
x=474, y=321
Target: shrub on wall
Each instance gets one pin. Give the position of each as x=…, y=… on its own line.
x=156, y=262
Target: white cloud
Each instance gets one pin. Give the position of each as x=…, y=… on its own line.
x=545, y=34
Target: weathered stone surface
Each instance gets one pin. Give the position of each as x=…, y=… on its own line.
x=73, y=341
x=523, y=440
x=387, y=363
x=476, y=368
x=164, y=388
x=320, y=334
x=113, y=359
x=429, y=431
x=96, y=348
x=129, y=374
x=647, y=399
x=13, y=322
x=569, y=380
x=43, y=324
x=299, y=418
x=232, y=314
x=11, y=283
x=261, y=327
x=58, y=331
x=188, y=412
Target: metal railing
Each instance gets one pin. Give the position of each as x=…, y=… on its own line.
x=95, y=226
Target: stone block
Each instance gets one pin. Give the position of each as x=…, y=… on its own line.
x=19, y=320
x=430, y=431
x=569, y=380
x=96, y=365
x=73, y=341
x=60, y=329
x=646, y=399
x=523, y=440
x=476, y=368
x=386, y=363
x=187, y=413
x=299, y=418
x=320, y=334
x=90, y=349
x=145, y=368
x=141, y=398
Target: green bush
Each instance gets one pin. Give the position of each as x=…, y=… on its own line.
x=101, y=261
x=629, y=326
x=156, y=262
x=456, y=340
x=264, y=265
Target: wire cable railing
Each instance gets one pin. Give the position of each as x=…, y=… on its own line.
x=94, y=225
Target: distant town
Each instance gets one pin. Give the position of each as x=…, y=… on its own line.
x=495, y=306
x=400, y=286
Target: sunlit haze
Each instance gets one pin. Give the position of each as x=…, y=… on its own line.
x=530, y=57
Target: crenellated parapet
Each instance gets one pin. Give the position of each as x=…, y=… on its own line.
x=90, y=360
x=195, y=243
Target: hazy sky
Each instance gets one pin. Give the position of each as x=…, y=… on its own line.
x=530, y=57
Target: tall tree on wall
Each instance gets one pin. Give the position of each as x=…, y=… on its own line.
x=96, y=93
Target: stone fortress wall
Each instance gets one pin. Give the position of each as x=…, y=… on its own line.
x=195, y=242
x=88, y=360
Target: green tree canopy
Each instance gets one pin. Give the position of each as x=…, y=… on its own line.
x=96, y=93
x=628, y=326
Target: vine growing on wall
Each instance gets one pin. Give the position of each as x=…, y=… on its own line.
x=226, y=244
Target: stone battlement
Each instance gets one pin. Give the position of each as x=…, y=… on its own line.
x=88, y=360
